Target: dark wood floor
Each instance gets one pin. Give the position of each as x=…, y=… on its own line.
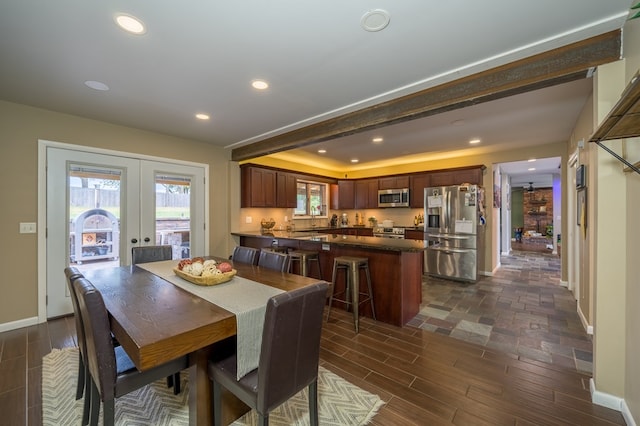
x=424, y=378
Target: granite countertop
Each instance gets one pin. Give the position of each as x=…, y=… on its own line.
x=393, y=244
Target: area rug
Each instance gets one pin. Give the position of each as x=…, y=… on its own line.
x=339, y=402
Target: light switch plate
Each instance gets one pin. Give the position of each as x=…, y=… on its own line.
x=27, y=227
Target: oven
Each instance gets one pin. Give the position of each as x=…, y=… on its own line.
x=388, y=232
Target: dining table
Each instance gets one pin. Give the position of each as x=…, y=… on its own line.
x=157, y=317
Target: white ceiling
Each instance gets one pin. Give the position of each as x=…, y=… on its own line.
x=201, y=57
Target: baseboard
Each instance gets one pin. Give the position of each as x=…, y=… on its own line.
x=626, y=414
x=496, y=268
x=485, y=273
x=588, y=328
x=604, y=399
x=13, y=325
x=564, y=284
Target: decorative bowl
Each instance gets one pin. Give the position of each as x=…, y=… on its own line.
x=267, y=224
x=208, y=280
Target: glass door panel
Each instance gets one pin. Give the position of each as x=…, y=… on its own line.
x=173, y=213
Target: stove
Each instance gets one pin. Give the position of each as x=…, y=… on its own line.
x=388, y=232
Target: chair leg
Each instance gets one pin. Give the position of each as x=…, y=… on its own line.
x=333, y=284
x=88, y=385
x=81, y=378
x=95, y=404
x=313, y=403
x=170, y=381
x=176, y=383
x=217, y=403
x=263, y=420
x=109, y=413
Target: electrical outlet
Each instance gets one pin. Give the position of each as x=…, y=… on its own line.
x=248, y=219
x=27, y=227
x=286, y=218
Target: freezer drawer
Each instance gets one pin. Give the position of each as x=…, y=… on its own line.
x=453, y=263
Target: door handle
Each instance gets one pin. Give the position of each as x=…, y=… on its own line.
x=147, y=239
x=134, y=240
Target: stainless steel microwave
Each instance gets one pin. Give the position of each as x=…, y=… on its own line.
x=393, y=197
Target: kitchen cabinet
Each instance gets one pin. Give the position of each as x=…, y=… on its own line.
x=414, y=234
x=286, y=190
x=366, y=194
x=456, y=176
x=417, y=185
x=393, y=182
x=346, y=194
x=258, y=187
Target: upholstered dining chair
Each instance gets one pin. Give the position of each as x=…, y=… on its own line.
x=112, y=373
x=289, y=356
x=274, y=260
x=144, y=254
x=245, y=255
x=83, y=386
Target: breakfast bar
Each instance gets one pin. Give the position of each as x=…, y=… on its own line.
x=395, y=264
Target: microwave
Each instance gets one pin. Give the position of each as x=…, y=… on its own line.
x=393, y=197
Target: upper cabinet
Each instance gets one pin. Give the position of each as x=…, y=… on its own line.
x=366, y=192
x=416, y=194
x=393, y=182
x=346, y=194
x=457, y=176
x=257, y=187
x=286, y=189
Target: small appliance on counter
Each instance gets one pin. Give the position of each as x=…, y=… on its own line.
x=344, y=220
x=333, y=222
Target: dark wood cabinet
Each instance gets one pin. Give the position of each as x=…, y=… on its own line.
x=414, y=234
x=366, y=194
x=417, y=186
x=258, y=187
x=346, y=194
x=457, y=177
x=393, y=182
x=286, y=190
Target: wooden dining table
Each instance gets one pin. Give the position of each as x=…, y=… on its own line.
x=155, y=321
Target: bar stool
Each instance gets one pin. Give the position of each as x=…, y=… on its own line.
x=352, y=267
x=305, y=257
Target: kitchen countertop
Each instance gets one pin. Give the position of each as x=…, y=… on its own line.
x=378, y=243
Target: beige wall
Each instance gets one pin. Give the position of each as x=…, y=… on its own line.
x=20, y=129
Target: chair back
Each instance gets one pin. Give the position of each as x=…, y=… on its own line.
x=73, y=274
x=100, y=354
x=274, y=260
x=144, y=254
x=244, y=254
x=290, y=344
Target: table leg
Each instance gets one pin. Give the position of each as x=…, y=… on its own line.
x=199, y=389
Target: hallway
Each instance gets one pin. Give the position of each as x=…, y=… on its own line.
x=521, y=310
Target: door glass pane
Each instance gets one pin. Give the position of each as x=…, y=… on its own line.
x=173, y=213
x=94, y=216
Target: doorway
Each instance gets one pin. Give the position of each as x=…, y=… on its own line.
x=100, y=205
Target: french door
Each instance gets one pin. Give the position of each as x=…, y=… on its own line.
x=99, y=206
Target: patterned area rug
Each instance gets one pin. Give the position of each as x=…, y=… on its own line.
x=339, y=402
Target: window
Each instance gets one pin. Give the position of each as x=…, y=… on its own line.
x=311, y=199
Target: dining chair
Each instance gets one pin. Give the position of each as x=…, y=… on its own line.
x=111, y=372
x=83, y=386
x=144, y=254
x=274, y=260
x=289, y=356
x=245, y=255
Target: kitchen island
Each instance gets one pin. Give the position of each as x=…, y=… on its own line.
x=395, y=265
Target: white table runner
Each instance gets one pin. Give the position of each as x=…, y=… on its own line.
x=245, y=298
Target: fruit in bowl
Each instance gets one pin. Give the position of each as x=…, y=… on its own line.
x=267, y=224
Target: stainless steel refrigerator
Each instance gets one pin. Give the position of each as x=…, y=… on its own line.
x=454, y=231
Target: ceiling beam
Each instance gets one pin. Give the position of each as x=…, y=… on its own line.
x=545, y=69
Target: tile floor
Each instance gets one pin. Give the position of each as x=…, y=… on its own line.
x=521, y=310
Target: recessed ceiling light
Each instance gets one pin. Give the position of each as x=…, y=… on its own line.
x=322, y=151
x=259, y=84
x=96, y=85
x=531, y=160
x=201, y=116
x=354, y=160
x=377, y=140
x=531, y=169
x=474, y=141
x=130, y=24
